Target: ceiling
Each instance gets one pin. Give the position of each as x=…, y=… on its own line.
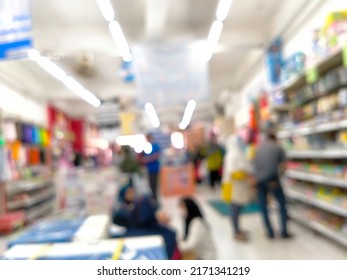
x=68, y=30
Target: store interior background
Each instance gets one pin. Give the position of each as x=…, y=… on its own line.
x=231, y=67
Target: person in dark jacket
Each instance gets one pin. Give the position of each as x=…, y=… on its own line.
x=141, y=217
x=268, y=164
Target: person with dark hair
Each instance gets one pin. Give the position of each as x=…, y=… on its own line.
x=197, y=237
x=269, y=163
x=214, y=156
x=140, y=216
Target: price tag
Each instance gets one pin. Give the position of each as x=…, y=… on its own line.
x=312, y=75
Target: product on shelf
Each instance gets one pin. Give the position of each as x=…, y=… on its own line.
x=293, y=66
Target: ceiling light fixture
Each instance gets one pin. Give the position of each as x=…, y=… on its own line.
x=215, y=32
x=119, y=39
x=78, y=89
x=58, y=73
x=34, y=54
x=52, y=68
x=152, y=115
x=188, y=114
x=213, y=37
x=223, y=9
x=177, y=140
x=106, y=9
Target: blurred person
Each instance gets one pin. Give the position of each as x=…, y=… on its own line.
x=78, y=160
x=140, y=216
x=197, y=236
x=214, y=157
x=238, y=171
x=197, y=158
x=129, y=164
x=152, y=162
x=269, y=163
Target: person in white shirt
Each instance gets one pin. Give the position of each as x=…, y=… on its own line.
x=197, y=236
x=236, y=164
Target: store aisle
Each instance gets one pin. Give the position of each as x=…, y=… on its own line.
x=305, y=246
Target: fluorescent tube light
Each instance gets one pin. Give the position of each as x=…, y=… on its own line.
x=215, y=32
x=78, y=89
x=52, y=68
x=188, y=114
x=223, y=9
x=73, y=84
x=106, y=9
x=34, y=54
x=119, y=39
x=152, y=115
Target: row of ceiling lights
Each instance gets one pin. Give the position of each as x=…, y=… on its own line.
x=58, y=73
x=118, y=36
x=212, y=40
x=217, y=26
x=108, y=13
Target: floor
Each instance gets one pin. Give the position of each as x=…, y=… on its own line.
x=305, y=246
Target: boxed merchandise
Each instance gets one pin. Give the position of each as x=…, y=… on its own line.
x=137, y=248
x=49, y=232
x=336, y=28
x=293, y=66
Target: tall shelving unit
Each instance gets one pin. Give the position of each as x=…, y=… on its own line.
x=315, y=140
x=28, y=191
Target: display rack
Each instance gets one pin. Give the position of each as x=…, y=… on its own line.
x=35, y=197
x=304, y=186
x=28, y=192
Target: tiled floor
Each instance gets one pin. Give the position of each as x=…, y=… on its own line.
x=305, y=246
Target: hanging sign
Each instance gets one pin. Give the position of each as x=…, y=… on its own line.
x=170, y=74
x=15, y=29
x=127, y=122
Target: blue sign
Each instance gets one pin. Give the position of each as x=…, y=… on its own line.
x=127, y=72
x=274, y=61
x=15, y=29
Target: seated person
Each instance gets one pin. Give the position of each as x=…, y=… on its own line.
x=197, y=235
x=140, y=217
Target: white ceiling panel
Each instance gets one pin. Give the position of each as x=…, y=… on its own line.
x=68, y=30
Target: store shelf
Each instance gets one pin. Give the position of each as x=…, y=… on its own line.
x=316, y=178
x=307, y=130
x=317, y=203
x=336, y=236
x=31, y=201
x=26, y=186
x=280, y=108
x=328, y=63
x=293, y=83
x=320, y=154
x=39, y=211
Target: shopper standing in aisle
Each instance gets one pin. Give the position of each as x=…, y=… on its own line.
x=197, y=237
x=269, y=163
x=152, y=162
x=214, y=161
x=237, y=170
